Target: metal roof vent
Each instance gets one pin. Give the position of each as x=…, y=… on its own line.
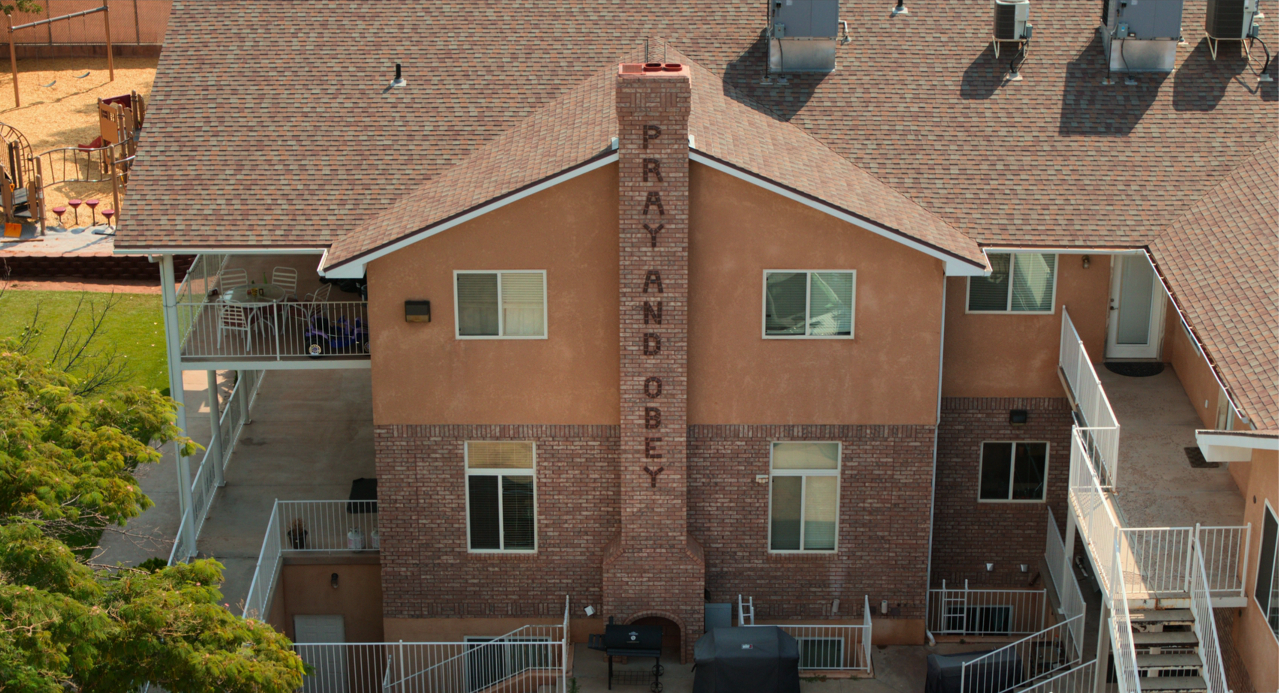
x=803, y=35
x=1141, y=35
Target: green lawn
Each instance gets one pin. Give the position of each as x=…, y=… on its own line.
x=134, y=327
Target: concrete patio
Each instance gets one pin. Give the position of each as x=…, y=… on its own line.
x=311, y=435
x=1156, y=485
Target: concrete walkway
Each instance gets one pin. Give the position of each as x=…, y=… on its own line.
x=311, y=435
x=1156, y=485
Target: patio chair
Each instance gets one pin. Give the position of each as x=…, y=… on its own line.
x=308, y=307
x=286, y=278
x=229, y=279
x=236, y=319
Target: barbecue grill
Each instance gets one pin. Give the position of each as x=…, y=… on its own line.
x=630, y=641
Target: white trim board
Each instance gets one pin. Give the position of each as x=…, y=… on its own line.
x=265, y=250
x=955, y=267
x=355, y=268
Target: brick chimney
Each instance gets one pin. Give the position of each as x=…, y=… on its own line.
x=654, y=568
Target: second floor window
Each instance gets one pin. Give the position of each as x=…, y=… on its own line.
x=808, y=304
x=501, y=512
x=1019, y=283
x=804, y=496
x=497, y=305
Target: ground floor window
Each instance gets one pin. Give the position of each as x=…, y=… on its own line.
x=804, y=496
x=1267, y=590
x=821, y=653
x=979, y=620
x=490, y=661
x=1013, y=471
x=501, y=508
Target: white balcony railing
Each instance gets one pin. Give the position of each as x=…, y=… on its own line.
x=1101, y=430
x=218, y=330
x=966, y=611
x=1206, y=632
x=825, y=647
x=230, y=422
x=1070, y=598
x=1078, y=680
x=300, y=527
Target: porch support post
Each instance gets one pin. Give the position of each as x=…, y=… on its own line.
x=244, y=398
x=1068, y=546
x=173, y=346
x=216, y=449
x=1104, y=649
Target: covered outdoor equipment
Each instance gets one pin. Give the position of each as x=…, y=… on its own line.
x=999, y=673
x=762, y=659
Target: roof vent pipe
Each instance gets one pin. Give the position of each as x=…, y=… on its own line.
x=900, y=9
x=398, y=81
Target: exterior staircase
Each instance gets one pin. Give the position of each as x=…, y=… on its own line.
x=1167, y=649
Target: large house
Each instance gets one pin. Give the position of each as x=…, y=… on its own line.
x=843, y=315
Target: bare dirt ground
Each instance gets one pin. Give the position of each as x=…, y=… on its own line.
x=120, y=286
x=66, y=114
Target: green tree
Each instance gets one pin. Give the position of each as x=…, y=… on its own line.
x=31, y=6
x=67, y=463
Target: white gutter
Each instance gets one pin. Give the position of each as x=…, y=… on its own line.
x=219, y=251
x=955, y=266
x=1234, y=446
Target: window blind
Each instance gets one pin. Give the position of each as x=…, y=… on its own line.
x=499, y=455
x=831, y=303
x=517, y=512
x=1033, y=281
x=806, y=455
x=522, y=299
x=820, y=513
x=478, y=304
x=785, y=513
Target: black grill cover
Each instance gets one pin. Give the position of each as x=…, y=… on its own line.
x=762, y=659
x=994, y=674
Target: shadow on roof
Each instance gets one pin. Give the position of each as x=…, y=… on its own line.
x=1201, y=81
x=745, y=74
x=985, y=74
x=1091, y=108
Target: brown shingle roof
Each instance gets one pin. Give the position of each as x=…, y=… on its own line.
x=1219, y=259
x=269, y=123
x=577, y=128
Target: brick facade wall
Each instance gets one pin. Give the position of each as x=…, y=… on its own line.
x=426, y=568
x=1238, y=679
x=882, y=540
x=968, y=533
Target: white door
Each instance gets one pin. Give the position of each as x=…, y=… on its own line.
x=330, y=662
x=1137, y=309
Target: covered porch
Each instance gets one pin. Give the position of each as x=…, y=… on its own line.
x=269, y=311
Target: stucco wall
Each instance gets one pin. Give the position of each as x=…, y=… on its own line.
x=307, y=590
x=423, y=374
x=886, y=374
x=1192, y=369
x=1013, y=355
x=1253, y=637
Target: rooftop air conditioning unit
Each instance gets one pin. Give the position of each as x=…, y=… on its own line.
x=1141, y=35
x=1011, y=20
x=803, y=35
x=1229, y=20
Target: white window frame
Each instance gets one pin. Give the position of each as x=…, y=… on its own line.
x=1044, y=489
x=1257, y=574
x=804, y=487
x=1008, y=300
x=457, y=320
x=468, y=472
x=808, y=282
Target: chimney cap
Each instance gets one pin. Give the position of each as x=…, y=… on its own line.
x=653, y=69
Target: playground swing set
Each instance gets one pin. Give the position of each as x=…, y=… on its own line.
x=107, y=158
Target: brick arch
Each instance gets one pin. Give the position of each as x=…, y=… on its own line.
x=682, y=631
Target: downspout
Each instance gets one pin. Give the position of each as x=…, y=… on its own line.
x=933, y=485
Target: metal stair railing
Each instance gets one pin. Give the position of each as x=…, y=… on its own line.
x=1205, y=628
x=1024, y=661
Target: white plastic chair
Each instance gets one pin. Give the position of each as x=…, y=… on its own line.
x=308, y=306
x=286, y=278
x=235, y=319
x=232, y=278
x=319, y=295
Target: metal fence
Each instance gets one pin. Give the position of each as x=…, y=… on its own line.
x=1224, y=551
x=298, y=527
x=829, y=647
x=1206, y=631
x=966, y=611
x=216, y=458
x=1078, y=680
x=1101, y=431
x=1070, y=598
x=133, y=22
x=1018, y=663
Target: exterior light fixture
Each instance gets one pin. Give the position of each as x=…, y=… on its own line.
x=1018, y=417
x=1022, y=567
x=1084, y=262
x=591, y=610
x=333, y=580
x=417, y=311
x=991, y=567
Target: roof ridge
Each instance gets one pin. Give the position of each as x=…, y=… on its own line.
x=1272, y=142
